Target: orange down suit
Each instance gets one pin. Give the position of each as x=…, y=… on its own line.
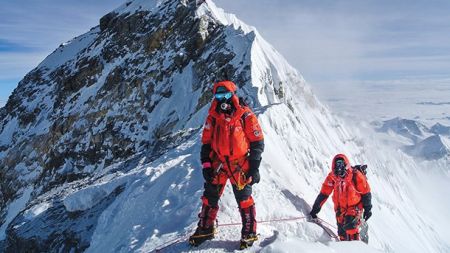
x=348, y=193
x=232, y=144
x=229, y=139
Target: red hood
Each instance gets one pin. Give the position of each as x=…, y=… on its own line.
x=340, y=156
x=229, y=85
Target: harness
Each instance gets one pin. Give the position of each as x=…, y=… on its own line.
x=241, y=180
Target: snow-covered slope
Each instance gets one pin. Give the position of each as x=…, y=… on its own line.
x=440, y=129
x=100, y=144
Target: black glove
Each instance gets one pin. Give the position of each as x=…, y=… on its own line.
x=254, y=171
x=367, y=214
x=366, y=199
x=208, y=172
x=314, y=212
x=321, y=198
x=254, y=174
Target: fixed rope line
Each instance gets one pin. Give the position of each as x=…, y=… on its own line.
x=331, y=225
x=176, y=240
x=264, y=221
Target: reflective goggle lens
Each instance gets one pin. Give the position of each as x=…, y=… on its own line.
x=339, y=163
x=221, y=96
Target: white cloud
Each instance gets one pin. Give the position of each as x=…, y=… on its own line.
x=325, y=40
x=342, y=40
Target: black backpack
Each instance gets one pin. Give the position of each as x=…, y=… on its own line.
x=362, y=169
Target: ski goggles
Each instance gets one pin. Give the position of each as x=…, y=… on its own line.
x=224, y=95
x=339, y=165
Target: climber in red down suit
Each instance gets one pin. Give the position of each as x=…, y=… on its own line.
x=232, y=146
x=351, y=196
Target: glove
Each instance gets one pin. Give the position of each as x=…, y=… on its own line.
x=367, y=214
x=208, y=173
x=254, y=175
x=253, y=172
x=321, y=198
x=314, y=213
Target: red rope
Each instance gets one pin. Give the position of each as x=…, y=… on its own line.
x=264, y=221
x=173, y=241
x=332, y=226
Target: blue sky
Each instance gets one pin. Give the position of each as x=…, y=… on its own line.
x=31, y=29
x=335, y=44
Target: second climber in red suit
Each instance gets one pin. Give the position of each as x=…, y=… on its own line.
x=232, y=146
x=351, y=196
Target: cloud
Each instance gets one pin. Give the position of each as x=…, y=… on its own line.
x=344, y=40
x=326, y=41
x=385, y=99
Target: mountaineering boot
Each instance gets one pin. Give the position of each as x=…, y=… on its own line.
x=205, y=227
x=248, y=240
x=248, y=232
x=201, y=235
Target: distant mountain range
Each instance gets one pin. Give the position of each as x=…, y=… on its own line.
x=429, y=143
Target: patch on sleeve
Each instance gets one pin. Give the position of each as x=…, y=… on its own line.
x=256, y=133
x=329, y=183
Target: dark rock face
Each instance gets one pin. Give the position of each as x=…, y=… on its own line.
x=60, y=230
x=99, y=101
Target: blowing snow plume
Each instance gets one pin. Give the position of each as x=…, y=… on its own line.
x=99, y=144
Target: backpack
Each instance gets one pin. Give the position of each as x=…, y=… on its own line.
x=360, y=168
x=246, y=101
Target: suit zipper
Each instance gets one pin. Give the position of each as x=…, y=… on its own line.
x=231, y=140
x=218, y=139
